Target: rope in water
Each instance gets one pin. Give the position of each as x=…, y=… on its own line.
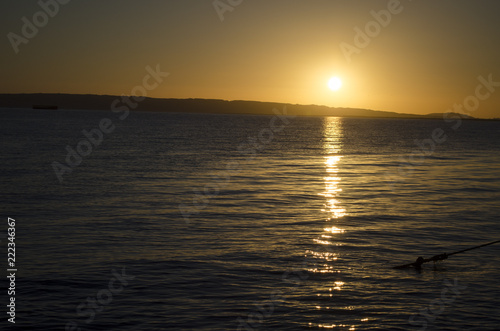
x=420, y=260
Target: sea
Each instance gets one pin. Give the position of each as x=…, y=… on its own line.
x=175, y=221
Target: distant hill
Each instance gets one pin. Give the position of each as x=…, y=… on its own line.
x=104, y=102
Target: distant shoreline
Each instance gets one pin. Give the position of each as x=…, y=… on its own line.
x=201, y=106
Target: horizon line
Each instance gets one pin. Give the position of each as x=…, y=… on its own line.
x=465, y=116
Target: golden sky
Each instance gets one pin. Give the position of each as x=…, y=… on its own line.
x=406, y=56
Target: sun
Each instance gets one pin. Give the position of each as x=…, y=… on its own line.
x=335, y=83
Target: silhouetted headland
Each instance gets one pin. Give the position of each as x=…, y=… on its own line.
x=104, y=102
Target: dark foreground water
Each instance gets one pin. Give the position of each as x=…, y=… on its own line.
x=227, y=222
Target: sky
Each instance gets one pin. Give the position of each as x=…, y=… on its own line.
x=420, y=56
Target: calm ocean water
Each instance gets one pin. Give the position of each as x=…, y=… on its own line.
x=226, y=222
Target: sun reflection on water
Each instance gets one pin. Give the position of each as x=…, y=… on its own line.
x=334, y=229
x=333, y=326
x=332, y=208
x=325, y=254
x=332, y=205
x=332, y=146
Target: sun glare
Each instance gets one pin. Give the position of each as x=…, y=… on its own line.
x=334, y=83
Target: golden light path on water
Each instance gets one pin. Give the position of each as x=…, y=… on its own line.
x=333, y=210
x=332, y=147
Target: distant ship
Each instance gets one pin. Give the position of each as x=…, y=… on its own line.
x=44, y=107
